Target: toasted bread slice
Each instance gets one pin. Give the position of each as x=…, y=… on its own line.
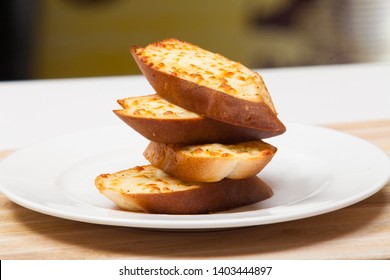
x=210, y=162
x=161, y=121
x=208, y=84
x=148, y=189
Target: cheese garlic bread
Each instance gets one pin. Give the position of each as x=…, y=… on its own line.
x=161, y=121
x=148, y=189
x=210, y=162
x=208, y=84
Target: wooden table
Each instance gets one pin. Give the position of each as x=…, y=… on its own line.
x=360, y=231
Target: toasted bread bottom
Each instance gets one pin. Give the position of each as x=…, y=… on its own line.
x=190, y=198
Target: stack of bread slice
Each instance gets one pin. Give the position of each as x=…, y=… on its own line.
x=206, y=124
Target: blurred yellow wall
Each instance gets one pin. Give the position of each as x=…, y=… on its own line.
x=93, y=38
x=74, y=38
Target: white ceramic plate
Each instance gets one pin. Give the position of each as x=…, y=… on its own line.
x=315, y=170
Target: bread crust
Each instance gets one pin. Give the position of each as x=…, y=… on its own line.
x=200, y=198
x=173, y=160
x=209, y=102
x=191, y=130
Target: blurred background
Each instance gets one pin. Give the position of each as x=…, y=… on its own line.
x=84, y=38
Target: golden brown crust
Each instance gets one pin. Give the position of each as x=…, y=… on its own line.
x=191, y=130
x=200, y=198
x=210, y=166
x=209, y=102
x=210, y=198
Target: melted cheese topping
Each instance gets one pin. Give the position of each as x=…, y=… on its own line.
x=144, y=179
x=205, y=68
x=241, y=150
x=153, y=106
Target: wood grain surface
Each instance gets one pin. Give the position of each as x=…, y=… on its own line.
x=360, y=231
